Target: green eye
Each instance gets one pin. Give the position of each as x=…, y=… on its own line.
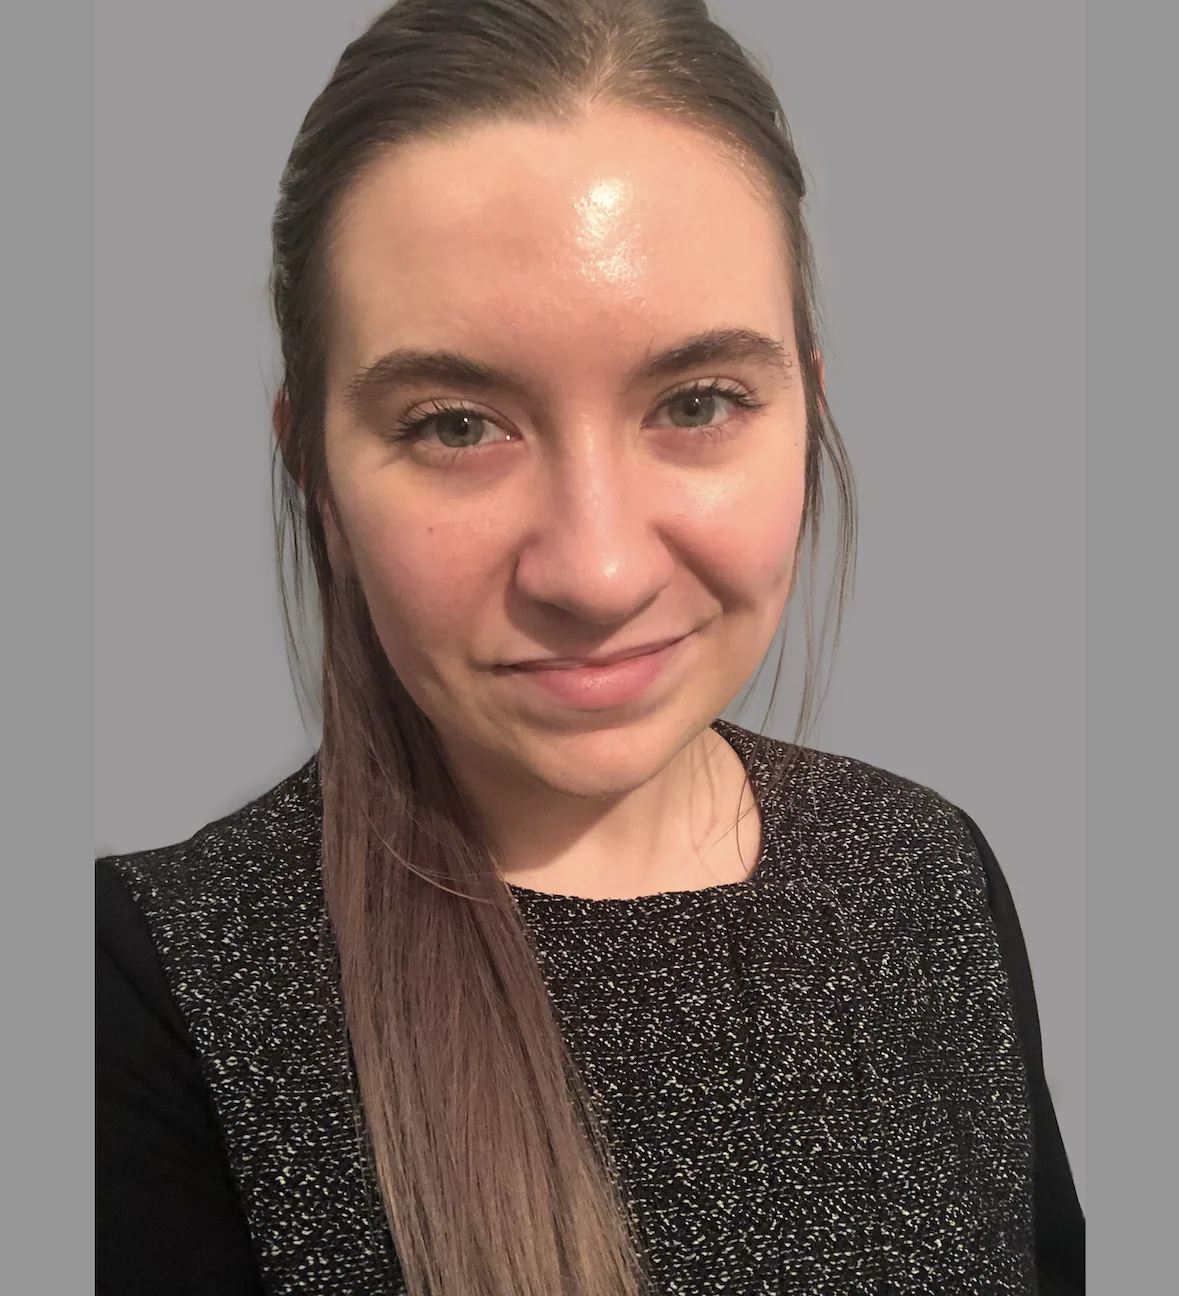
x=700, y=407
x=454, y=427
x=700, y=403
x=457, y=429
x=460, y=428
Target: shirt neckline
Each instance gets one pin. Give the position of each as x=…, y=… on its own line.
x=742, y=742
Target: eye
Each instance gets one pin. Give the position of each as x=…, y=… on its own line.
x=457, y=428
x=701, y=401
x=453, y=427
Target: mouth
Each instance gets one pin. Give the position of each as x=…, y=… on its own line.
x=596, y=662
x=598, y=683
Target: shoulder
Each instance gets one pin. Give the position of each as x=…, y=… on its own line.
x=861, y=829
x=241, y=854
x=837, y=795
x=229, y=925
x=882, y=823
x=245, y=891
x=848, y=796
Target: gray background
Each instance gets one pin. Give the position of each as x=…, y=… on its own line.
x=945, y=150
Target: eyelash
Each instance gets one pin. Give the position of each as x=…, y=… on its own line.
x=410, y=428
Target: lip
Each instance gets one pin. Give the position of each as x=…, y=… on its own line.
x=594, y=663
x=598, y=685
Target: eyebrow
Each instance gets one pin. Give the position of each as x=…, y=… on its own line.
x=408, y=365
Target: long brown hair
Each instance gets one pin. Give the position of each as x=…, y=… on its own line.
x=494, y=1177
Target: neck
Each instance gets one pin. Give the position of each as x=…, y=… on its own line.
x=692, y=825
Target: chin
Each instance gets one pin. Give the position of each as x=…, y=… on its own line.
x=605, y=761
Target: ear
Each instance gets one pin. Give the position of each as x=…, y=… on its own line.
x=339, y=550
x=280, y=414
x=280, y=421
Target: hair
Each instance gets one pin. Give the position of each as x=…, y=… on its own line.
x=494, y=1175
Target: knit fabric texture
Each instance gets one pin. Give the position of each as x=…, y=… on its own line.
x=810, y=1081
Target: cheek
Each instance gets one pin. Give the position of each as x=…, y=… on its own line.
x=745, y=531
x=424, y=578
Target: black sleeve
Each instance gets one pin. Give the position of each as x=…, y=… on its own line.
x=1060, y=1225
x=168, y=1218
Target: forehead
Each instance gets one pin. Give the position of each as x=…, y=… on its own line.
x=563, y=242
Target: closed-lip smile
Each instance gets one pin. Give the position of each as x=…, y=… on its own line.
x=605, y=659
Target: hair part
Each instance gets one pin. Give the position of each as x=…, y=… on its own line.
x=493, y=1171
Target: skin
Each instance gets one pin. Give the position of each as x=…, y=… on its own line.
x=586, y=513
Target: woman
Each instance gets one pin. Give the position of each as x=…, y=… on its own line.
x=541, y=977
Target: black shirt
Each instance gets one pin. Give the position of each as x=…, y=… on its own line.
x=169, y=1219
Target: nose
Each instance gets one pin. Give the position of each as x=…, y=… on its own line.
x=595, y=548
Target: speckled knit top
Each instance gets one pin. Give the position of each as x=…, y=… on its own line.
x=811, y=1080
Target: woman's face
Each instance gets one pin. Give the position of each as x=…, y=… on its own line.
x=524, y=290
